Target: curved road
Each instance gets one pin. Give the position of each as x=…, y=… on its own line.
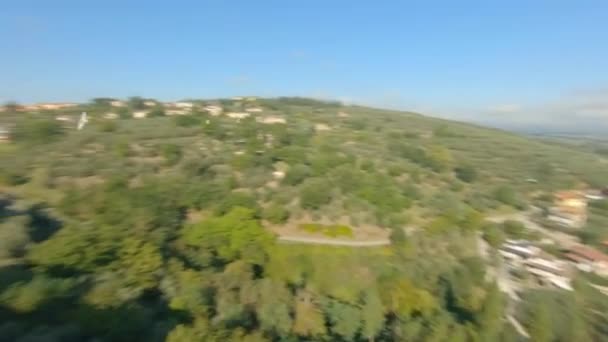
x=333, y=242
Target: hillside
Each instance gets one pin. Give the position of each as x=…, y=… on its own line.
x=172, y=221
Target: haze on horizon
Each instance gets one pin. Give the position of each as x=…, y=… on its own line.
x=518, y=65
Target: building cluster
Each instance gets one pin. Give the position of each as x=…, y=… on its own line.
x=588, y=259
x=569, y=209
x=546, y=270
x=549, y=270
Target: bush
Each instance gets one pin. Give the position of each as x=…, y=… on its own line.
x=157, y=112
x=514, y=229
x=466, y=173
x=315, y=193
x=508, y=196
x=237, y=199
x=296, y=174
x=186, y=121
x=108, y=126
x=493, y=235
x=38, y=131
x=276, y=214
x=172, y=153
x=333, y=231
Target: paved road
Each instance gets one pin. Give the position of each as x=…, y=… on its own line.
x=334, y=242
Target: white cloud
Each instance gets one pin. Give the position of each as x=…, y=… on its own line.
x=505, y=108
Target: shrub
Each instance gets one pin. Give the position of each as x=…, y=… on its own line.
x=108, y=126
x=315, y=194
x=493, y=235
x=276, y=214
x=172, y=153
x=514, y=229
x=296, y=174
x=333, y=231
x=466, y=173
x=37, y=131
x=186, y=121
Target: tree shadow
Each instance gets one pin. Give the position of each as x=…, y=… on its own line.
x=67, y=317
x=42, y=225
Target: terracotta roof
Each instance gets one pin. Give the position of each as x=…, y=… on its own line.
x=589, y=253
x=569, y=194
x=574, y=257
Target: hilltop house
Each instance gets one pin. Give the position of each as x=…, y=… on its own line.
x=549, y=272
x=569, y=210
x=184, y=105
x=140, y=114
x=271, y=120
x=177, y=111
x=213, y=110
x=56, y=106
x=5, y=135
x=118, y=103
x=589, y=259
x=594, y=195
x=237, y=115
x=254, y=110
x=518, y=250
x=64, y=118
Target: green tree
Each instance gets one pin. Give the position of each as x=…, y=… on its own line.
x=141, y=263
x=37, y=131
x=273, y=307
x=276, y=214
x=11, y=107
x=136, y=102
x=296, y=174
x=540, y=328
x=308, y=319
x=234, y=235
x=514, y=229
x=508, y=196
x=493, y=234
x=157, y=112
x=83, y=249
x=489, y=319
x=345, y=319
x=14, y=236
x=315, y=193
x=172, y=153
x=372, y=314
x=466, y=173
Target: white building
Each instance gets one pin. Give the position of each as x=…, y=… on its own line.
x=254, y=110
x=322, y=127
x=64, y=118
x=184, y=105
x=549, y=272
x=278, y=174
x=238, y=115
x=110, y=116
x=118, y=103
x=140, y=114
x=213, y=110
x=271, y=120
x=179, y=111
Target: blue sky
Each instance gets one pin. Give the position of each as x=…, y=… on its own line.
x=476, y=60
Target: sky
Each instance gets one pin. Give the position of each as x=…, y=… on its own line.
x=518, y=63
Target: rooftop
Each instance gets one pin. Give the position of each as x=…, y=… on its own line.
x=589, y=253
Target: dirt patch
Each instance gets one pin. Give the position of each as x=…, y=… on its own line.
x=360, y=233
